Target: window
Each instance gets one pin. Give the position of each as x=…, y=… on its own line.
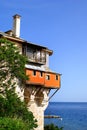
x=24, y=50
x=34, y=72
x=28, y=49
x=47, y=77
x=41, y=74
x=56, y=77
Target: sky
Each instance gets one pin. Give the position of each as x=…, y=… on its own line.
x=60, y=25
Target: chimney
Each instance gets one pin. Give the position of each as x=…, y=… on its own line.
x=16, y=25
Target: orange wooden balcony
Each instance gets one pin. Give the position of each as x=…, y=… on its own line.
x=45, y=79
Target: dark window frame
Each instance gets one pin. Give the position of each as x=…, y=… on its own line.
x=41, y=74
x=56, y=77
x=47, y=77
x=34, y=72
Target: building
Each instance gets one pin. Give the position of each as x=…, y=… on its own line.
x=41, y=78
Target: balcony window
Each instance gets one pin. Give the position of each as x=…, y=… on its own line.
x=35, y=54
x=34, y=72
x=47, y=77
x=56, y=77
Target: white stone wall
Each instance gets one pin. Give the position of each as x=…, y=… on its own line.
x=38, y=109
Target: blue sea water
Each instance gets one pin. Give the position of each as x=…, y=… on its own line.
x=73, y=115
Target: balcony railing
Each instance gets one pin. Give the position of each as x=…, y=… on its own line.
x=41, y=60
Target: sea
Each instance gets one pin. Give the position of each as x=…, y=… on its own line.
x=73, y=115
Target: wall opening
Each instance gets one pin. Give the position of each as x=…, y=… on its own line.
x=39, y=96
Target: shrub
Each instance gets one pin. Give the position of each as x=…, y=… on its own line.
x=11, y=106
x=13, y=124
x=52, y=127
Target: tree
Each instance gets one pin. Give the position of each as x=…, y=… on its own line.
x=12, y=65
x=12, y=70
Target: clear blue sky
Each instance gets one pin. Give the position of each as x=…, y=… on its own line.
x=61, y=25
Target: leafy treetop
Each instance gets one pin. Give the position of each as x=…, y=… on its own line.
x=12, y=63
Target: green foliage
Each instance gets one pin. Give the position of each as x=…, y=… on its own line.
x=12, y=124
x=11, y=106
x=12, y=63
x=52, y=127
x=13, y=112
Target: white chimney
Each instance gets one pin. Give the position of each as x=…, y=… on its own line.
x=16, y=25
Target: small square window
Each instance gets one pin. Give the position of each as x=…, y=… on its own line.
x=47, y=77
x=34, y=72
x=56, y=77
x=41, y=74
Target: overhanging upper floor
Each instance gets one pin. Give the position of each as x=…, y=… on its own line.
x=42, y=78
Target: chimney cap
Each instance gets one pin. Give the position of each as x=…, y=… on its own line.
x=16, y=16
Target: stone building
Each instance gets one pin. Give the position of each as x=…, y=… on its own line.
x=41, y=78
